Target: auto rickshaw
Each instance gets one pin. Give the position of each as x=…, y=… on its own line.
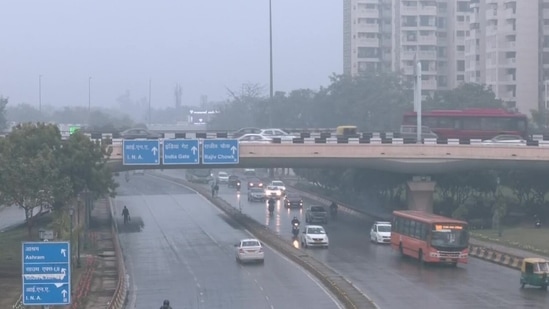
x=534, y=272
x=347, y=131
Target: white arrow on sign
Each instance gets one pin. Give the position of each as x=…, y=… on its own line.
x=194, y=149
x=64, y=252
x=154, y=150
x=64, y=293
x=233, y=150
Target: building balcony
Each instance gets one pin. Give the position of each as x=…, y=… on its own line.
x=510, y=14
x=408, y=10
x=507, y=29
x=429, y=84
x=372, y=28
x=427, y=55
x=428, y=10
x=427, y=40
x=408, y=55
x=369, y=13
x=367, y=42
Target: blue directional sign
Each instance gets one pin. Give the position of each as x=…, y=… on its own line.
x=141, y=152
x=46, y=273
x=220, y=151
x=180, y=151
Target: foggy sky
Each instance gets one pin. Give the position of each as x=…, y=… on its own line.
x=206, y=46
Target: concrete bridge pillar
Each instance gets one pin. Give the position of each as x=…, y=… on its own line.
x=419, y=193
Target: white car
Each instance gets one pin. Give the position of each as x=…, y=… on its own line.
x=277, y=133
x=314, y=235
x=249, y=250
x=254, y=139
x=274, y=192
x=506, y=140
x=223, y=177
x=249, y=171
x=139, y=172
x=279, y=184
x=381, y=232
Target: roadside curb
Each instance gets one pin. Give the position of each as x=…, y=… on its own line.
x=346, y=293
x=118, y=300
x=477, y=251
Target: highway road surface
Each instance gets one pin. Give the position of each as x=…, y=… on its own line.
x=180, y=247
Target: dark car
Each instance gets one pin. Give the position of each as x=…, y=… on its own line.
x=255, y=183
x=233, y=180
x=243, y=131
x=256, y=194
x=316, y=213
x=293, y=200
x=138, y=133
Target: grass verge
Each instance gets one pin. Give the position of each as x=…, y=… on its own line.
x=520, y=237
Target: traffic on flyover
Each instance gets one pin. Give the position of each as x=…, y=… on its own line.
x=176, y=234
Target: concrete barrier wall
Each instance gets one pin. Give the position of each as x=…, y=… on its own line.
x=346, y=293
x=477, y=251
x=119, y=297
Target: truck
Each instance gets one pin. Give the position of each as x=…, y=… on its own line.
x=199, y=175
x=316, y=213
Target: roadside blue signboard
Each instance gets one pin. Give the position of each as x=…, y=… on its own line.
x=180, y=151
x=141, y=152
x=220, y=151
x=46, y=273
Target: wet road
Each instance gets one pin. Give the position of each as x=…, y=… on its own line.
x=395, y=282
x=178, y=246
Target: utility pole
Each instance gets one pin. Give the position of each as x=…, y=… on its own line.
x=150, y=88
x=40, y=93
x=270, y=109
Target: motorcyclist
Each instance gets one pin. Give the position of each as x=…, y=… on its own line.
x=166, y=305
x=295, y=220
x=238, y=185
x=126, y=214
x=271, y=203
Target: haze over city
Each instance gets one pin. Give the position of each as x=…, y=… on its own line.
x=206, y=47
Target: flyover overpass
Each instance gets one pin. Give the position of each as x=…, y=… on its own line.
x=395, y=155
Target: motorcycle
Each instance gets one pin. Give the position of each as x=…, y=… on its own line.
x=538, y=223
x=238, y=186
x=271, y=208
x=295, y=229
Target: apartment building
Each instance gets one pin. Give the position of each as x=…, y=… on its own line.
x=495, y=42
x=395, y=34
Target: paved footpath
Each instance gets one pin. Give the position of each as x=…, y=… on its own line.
x=105, y=275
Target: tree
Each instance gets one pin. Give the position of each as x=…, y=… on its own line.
x=24, y=113
x=466, y=95
x=3, y=121
x=28, y=172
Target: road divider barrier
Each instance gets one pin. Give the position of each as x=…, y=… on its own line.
x=118, y=300
x=344, y=290
x=496, y=257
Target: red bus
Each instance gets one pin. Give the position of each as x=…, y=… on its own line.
x=429, y=237
x=472, y=123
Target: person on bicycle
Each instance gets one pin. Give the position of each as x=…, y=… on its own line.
x=126, y=214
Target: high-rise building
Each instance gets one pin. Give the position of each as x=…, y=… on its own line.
x=494, y=42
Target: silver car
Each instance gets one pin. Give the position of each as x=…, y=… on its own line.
x=249, y=250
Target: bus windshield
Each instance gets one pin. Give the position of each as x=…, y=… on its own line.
x=449, y=238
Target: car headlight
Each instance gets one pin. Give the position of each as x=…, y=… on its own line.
x=308, y=237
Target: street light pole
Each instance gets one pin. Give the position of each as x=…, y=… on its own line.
x=150, y=90
x=40, y=93
x=89, y=98
x=78, y=234
x=270, y=109
x=71, y=213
